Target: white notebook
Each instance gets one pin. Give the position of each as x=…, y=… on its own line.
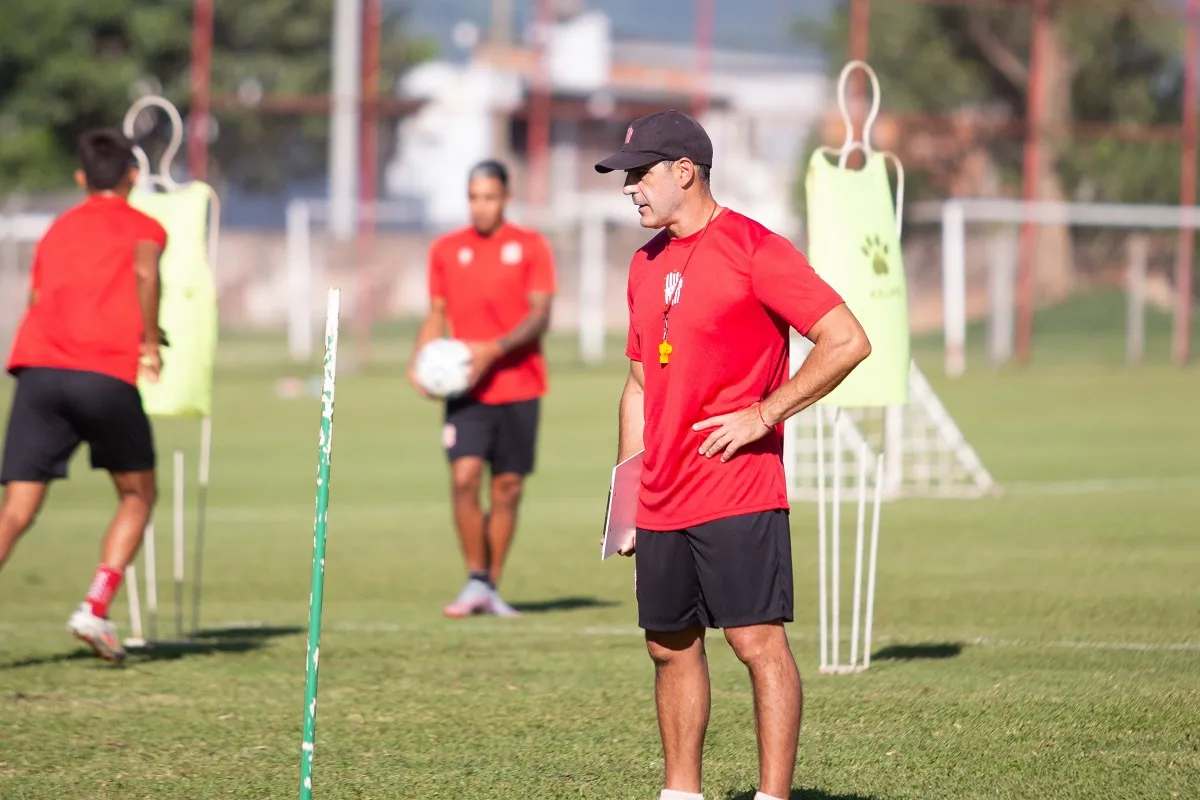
x=620, y=520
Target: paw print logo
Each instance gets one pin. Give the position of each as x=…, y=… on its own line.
x=877, y=253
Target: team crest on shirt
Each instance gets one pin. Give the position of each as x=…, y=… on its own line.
x=672, y=286
x=465, y=255
x=511, y=253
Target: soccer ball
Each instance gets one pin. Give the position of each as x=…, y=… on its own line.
x=443, y=367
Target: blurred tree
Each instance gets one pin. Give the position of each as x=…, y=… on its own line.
x=66, y=65
x=1106, y=61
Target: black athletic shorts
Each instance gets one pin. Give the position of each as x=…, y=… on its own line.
x=502, y=434
x=55, y=410
x=722, y=574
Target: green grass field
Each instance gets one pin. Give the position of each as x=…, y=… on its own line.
x=1044, y=644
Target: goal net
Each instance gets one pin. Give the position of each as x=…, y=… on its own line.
x=924, y=452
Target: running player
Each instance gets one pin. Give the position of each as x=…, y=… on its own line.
x=492, y=284
x=91, y=325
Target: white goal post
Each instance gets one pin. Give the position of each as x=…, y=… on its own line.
x=954, y=216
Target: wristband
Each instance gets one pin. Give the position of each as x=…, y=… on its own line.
x=760, y=416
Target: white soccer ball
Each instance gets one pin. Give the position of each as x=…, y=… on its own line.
x=443, y=367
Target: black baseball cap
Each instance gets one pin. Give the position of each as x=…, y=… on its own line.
x=662, y=136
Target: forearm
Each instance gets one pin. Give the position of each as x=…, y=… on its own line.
x=632, y=421
x=527, y=331
x=827, y=365
x=149, y=296
x=432, y=327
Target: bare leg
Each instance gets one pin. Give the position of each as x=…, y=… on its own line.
x=136, y=494
x=502, y=521
x=681, y=691
x=466, y=476
x=778, y=701
x=22, y=499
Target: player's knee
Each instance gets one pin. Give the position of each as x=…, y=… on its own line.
x=506, y=490
x=139, y=492
x=674, y=647
x=465, y=485
x=20, y=506
x=755, y=643
x=18, y=517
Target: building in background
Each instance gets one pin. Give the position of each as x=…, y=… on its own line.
x=761, y=110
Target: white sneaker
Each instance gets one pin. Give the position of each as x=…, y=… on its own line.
x=99, y=633
x=500, y=608
x=473, y=599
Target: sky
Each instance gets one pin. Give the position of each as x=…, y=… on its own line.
x=761, y=25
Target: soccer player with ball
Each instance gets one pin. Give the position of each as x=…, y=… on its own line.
x=491, y=285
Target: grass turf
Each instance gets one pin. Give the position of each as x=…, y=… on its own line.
x=1043, y=644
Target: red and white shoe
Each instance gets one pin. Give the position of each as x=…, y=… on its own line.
x=98, y=632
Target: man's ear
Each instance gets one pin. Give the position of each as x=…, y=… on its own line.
x=80, y=179
x=687, y=172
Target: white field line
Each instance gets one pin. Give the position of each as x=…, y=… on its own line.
x=1101, y=485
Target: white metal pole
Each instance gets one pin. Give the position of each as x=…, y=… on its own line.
x=893, y=447
x=872, y=558
x=299, y=281
x=1135, y=334
x=135, y=607
x=177, y=524
x=954, y=286
x=345, y=118
x=822, y=566
x=835, y=536
x=201, y=518
x=858, y=554
x=1002, y=275
x=591, y=288
x=151, y=582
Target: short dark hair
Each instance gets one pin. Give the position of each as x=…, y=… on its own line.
x=106, y=157
x=490, y=169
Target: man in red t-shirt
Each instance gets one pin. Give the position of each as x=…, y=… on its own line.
x=91, y=325
x=491, y=283
x=711, y=301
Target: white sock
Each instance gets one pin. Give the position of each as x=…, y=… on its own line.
x=671, y=794
x=763, y=796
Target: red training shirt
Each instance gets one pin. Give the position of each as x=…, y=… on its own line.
x=86, y=314
x=486, y=282
x=728, y=328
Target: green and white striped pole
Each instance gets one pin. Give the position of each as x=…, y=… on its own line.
x=318, y=569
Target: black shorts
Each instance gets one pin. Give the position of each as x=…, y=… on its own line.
x=502, y=434
x=722, y=574
x=55, y=410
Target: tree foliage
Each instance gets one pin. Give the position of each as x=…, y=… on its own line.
x=66, y=65
x=1111, y=61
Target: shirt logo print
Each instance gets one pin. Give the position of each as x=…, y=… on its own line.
x=511, y=253
x=673, y=285
x=465, y=255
